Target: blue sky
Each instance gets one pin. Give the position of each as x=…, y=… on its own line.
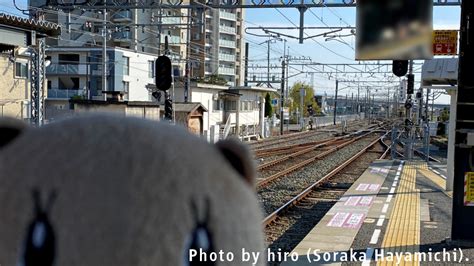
x=443, y=18
x=318, y=49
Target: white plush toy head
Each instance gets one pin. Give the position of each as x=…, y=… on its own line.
x=106, y=190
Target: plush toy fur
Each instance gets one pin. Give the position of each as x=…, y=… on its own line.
x=121, y=191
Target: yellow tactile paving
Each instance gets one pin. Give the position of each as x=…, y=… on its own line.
x=403, y=230
x=439, y=181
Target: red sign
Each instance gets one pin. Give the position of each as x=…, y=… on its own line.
x=445, y=42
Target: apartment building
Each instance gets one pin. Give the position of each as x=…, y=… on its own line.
x=131, y=29
x=220, y=50
x=77, y=71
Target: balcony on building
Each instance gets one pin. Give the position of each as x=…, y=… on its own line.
x=226, y=71
x=66, y=69
x=209, y=28
x=227, y=57
x=172, y=39
x=64, y=93
x=227, y=15
x=123, y=36
x=170, y=20
x=122, y=16
x=227, y=43
x=227, y=29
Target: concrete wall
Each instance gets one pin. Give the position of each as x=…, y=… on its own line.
x=139, y=75
x=252, y=116
x=14, y=91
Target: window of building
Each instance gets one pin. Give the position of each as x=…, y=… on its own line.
x=126, y=66
x=69, y=59
x=151, y=69
x=230, y=105
x=216, y=105
x=21, y=70
x=126, y=86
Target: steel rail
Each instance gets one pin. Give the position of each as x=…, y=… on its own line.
x=295, y=200
x=263, y=182
x=298, y=153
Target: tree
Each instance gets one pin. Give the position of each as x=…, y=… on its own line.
x=308, y=99
x=444, y=116
x=268, y=105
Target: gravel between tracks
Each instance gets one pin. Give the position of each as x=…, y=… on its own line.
x=280, y=191
x=295, y=224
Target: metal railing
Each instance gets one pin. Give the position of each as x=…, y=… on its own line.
x=59, y=69
x=227, y=29
x=171, y=20
x=227, y=43
x=227, y=57
x=122, y=16
x=226, y=70
x=227, y=15
x=122, y=36
x=172, y=39
x=57, y=93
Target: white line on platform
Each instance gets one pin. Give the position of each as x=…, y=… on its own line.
x=389, y=198
x=392, y=190
x=368, y=256
x=375, y=236
x=380, y=220
x=385, y=208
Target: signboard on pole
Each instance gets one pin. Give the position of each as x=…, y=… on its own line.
x=469, y=189
x=286, y=113
x=445, y=42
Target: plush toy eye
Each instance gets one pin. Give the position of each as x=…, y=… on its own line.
x=40, y=242
x=200, y=247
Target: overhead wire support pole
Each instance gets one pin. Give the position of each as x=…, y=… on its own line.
x=104, y=56
x=282, y=94
x=187, y=82
x=335, y=103
x=302, y=9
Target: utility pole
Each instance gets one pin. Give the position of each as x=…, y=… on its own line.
x=246, y=70
x=335, y=103
x=187, y=82
x=282, y=94
x=268, y=63
x=160, y=21
x=358, y=104
x=104, y=56
x=287, y=72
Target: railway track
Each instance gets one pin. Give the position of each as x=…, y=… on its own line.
x=288, y=225
x=277, y=192
x=280, y=167
x=295, y=137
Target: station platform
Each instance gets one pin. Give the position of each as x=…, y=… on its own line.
x=396, y=213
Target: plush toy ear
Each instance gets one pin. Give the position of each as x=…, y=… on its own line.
x=238, y=155
x=10, y=128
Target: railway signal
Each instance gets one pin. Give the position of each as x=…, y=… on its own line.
x=400, y=67
x=163, y=73
x=410, y=83
x=310, y=110
x=168, y=109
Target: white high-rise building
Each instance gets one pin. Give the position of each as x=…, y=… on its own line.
x=220, y=49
